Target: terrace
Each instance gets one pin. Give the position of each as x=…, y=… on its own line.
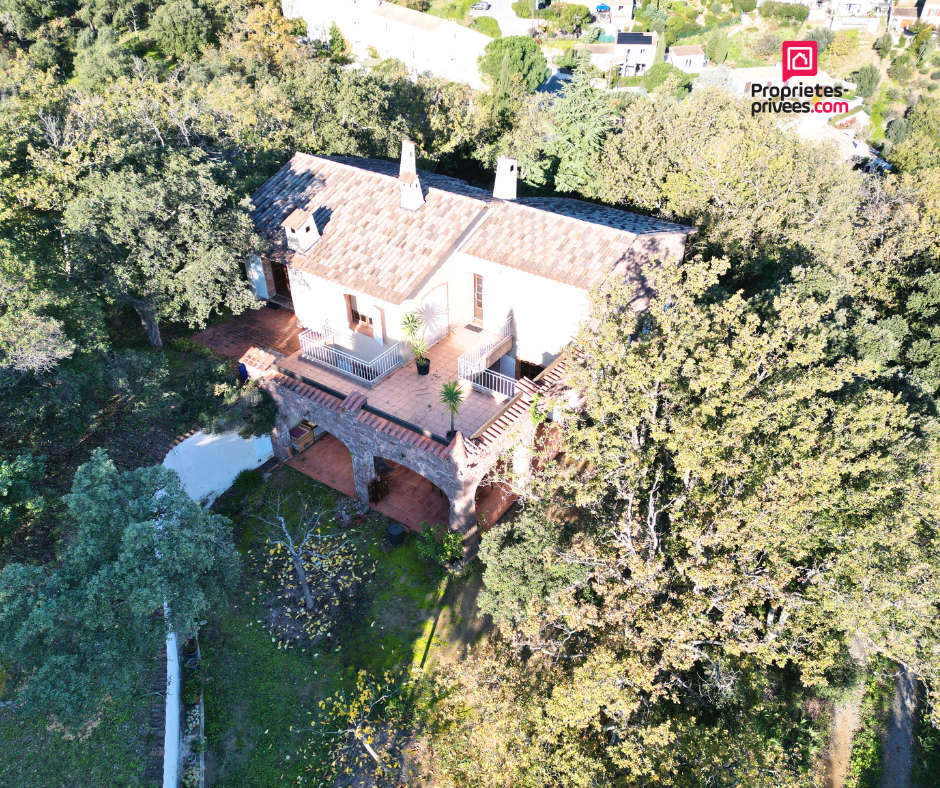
x=384, y=374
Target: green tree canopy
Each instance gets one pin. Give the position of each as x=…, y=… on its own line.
x=505, y=57
x=87, y=627
x=181, y=28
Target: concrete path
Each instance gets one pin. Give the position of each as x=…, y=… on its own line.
x=899, y=738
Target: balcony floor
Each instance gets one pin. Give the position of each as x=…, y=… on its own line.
x=413, y=397
x=403, y=394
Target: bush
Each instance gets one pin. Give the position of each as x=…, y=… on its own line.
x=524, y=9
x=844, y=43
x=439, y=544
x=899, y=70
x=823, y=38
x=181, y=28
x=744, y=6
x=662, y=72
x=898, y=129
x=795, y=11
x=767, y=45
x=716, y=47
x=866, y=80
x=487, y=25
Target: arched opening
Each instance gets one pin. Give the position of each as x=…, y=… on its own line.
x=324, y=458
x=407, y=497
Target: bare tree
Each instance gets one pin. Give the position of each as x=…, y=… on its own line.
x=302, y=538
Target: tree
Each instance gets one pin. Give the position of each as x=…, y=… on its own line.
x=514, y=55
x=866, y=79
x=168, y=241
x=304, y=540
x=21, y=499
x=716, y=47
x=579, y=121
x=141, y=557
x=337, y=45
x=181, y=28
x=897, y=130
x=452, y=397
x=883, y=45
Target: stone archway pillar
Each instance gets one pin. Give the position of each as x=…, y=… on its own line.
x=280, y=438
x=363, y=472
x=463, y=508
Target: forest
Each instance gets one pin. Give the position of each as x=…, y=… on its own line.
x=751, y=486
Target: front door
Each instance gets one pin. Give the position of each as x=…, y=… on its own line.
x=281, y=279
x=478, y=299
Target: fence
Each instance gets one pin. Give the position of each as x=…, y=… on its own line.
x=319, y=348
x=472, y=367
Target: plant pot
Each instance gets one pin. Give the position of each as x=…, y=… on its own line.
x=423, y=365
x=451, y=434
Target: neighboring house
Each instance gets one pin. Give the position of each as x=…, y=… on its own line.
x=690, y=58
x=741, y=79
x=621, y=14
x=635, y=53
x=864, y=15
x=901, y=17
x=502, y=285
x=930, y=12
x=424, y=43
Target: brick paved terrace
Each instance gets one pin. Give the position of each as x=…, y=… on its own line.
x=403, y=394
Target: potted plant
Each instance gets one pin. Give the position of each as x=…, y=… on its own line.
x=452, y=397
x=412, y=326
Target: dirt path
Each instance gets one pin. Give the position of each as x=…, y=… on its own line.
x=844, y=724
x=899, y=738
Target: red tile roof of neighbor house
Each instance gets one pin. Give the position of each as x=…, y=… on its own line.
x=688, y=49
x=370, y=244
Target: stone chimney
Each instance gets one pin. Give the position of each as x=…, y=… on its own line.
x=301, y=231
x=507, y=174
x=412, y=198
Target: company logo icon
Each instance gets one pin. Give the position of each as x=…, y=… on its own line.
x=799, y=59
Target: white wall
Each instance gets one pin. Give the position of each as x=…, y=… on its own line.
x=208, y=464
x=255, y=269
x=545, y=313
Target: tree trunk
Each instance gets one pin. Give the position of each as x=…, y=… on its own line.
x=302, y=577
x=148, y=319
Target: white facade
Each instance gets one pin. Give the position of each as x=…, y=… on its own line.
x=424, y=43
x=690, y=62
x=635, y=59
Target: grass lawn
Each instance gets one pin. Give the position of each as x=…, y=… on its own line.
x=259, y=696
x=32, y=756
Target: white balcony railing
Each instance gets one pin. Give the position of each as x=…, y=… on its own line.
x=472, y=366
x=319, y=348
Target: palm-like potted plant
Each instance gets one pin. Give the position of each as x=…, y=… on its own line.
x=452, y=397
x=412, y=326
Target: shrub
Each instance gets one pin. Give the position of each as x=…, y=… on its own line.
x=766, y=45
x=487, y=25
x=436, y=543
x=744, y=6
x=823, y=38
x=866, y=80
x=899, y=71
x=662, y=72
x=796, y=11
x=716, y=47
x=844, y=43
x=898, y=129
x=524, y=9
x=192, y=689
x=883, y=45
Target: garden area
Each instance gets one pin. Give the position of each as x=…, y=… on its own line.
x=273, y=666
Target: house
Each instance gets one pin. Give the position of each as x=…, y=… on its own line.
x=621, y=14
x=635, y=53
x=690, y=58
x=864, y=15
x=741, y=79
x=424, y=43
x=901, y=17
x=501, y=285
x=930, y=12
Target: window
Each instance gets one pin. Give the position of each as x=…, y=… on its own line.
x=477, y=298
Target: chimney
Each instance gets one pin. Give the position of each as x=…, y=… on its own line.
x=301, y=231
x=507, y=173
x=412, y=198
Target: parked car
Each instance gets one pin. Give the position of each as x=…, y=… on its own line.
x=480, y=7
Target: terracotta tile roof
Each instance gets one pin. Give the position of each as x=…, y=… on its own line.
x=370, y=244
x=688, y=49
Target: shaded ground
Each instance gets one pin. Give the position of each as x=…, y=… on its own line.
x=899, y=738
x=845, y=719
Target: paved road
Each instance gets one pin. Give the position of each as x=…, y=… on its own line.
x=509, y=23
